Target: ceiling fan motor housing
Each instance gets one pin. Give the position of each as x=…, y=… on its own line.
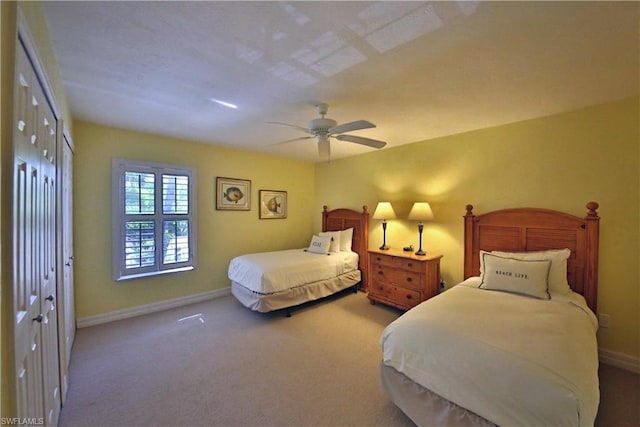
x=321, y=125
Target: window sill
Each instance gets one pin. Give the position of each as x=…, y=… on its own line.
x=154, y=273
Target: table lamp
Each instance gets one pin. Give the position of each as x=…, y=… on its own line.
x=421, y=211
x=384, y=211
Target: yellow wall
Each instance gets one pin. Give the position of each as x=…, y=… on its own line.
x=559, y=162
x=221, y=234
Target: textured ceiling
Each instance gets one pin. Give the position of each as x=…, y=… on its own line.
x=418, y=70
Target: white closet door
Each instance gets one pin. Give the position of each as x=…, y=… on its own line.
x=46, y=144
x=66, y=311
x=34, y=248
x=26, y=253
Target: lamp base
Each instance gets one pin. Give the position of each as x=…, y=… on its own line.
x=384, y=248
x=420, y=252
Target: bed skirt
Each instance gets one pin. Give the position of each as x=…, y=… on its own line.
x=291, y=297
x=424, y=407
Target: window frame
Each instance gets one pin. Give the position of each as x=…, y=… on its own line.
x=118, y=218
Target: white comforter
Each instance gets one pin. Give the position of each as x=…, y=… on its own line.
x=511, y=359
x=270, y=272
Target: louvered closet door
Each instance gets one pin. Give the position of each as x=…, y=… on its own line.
x=34, y=268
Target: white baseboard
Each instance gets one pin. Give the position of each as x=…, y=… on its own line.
x=126, y=313
x=619, y=360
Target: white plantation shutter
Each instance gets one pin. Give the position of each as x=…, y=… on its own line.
x=153, y=219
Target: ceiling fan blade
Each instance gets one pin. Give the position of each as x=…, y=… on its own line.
x=293, y=139
x=360, y=140
x=351, y=126
x=291, y=126
x=324, y=150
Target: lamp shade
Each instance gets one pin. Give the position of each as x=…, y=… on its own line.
x=421, y=211
x=384, y=210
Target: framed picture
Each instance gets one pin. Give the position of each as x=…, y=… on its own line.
x=233, y=194
x=273, y=204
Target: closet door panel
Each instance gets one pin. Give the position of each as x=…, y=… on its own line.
x=27, y=252
x=66, y=310
x=35, y=329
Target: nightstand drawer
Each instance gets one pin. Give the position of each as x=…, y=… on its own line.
x=398, y=262
x=403, y=278
x=398, y=294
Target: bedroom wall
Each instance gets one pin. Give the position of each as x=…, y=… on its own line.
x=559, y=162
x=221, y=234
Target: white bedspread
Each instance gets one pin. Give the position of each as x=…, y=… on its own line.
x=270, y=272
x=514, y=360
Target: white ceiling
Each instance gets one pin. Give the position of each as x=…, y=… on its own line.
x=418, y=70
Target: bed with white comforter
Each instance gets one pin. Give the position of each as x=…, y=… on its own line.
x=534, y=364
x=336, y=259
x=272, y=272
x=515, y=343
x=271, y=281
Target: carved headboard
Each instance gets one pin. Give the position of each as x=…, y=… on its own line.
x=342, y=219
x=532, y=229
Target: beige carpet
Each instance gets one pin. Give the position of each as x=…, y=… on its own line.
x=218, y=364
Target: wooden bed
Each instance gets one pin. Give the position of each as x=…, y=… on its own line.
x=279, y=294
x=508, y=230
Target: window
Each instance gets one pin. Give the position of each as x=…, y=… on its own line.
x=153, y=219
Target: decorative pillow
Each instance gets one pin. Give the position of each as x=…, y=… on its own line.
x=558, y=271
x=346, y=238
x=335, y=240
x=319, y=244
x=524, y=277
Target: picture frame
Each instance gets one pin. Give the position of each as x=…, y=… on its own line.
x=233, y=194
x=273, y=204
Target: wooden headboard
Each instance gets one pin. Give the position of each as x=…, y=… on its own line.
x=531, y=229
x=342, y=219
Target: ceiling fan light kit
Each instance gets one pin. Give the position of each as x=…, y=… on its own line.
x=323, y=129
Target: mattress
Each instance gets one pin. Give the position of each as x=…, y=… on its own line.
x=272, y=272
x=534, y=363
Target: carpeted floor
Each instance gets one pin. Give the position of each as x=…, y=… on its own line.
x=218, y=364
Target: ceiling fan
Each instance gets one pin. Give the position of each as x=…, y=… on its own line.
x=324, y=128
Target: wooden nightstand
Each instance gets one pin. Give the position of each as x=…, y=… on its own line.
x=402, y=279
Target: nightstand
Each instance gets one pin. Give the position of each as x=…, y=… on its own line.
x=402, y=279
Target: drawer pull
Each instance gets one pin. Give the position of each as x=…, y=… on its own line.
x=409, y=279
x=380, y=272
x=410, y=264
x=409, y=297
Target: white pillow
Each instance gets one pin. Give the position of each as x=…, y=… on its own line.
x=524, y=277
x=558, y=271
x=346, y=238
x=319, y=244
x=335, y=240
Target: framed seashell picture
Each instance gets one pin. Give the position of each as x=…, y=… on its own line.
x=273, y=204
x=233, y=194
